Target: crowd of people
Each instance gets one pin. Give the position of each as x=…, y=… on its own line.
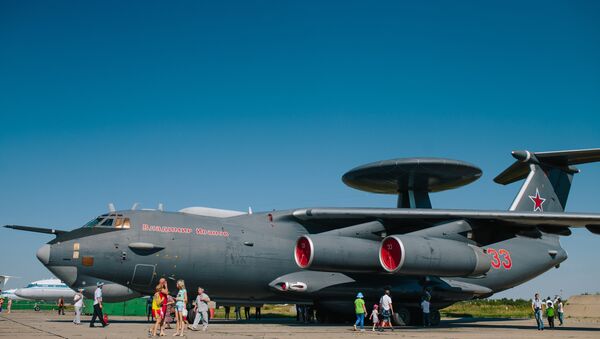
x=551, y=308
x=381, y=313
x=161, y=301
x=161, y=305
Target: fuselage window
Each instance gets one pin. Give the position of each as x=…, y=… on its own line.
x=76, y=250
x=126, y=223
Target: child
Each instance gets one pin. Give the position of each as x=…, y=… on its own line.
x=374, y=317
x=550, y=314
x=157, y=311
x=361, y=310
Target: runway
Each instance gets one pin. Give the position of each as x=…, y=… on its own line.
x=29, y=324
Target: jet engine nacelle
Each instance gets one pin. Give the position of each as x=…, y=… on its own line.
x=415, y=255
x=397, y=254
x=336, y=253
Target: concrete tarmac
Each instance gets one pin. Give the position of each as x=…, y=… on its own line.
x=46, y=324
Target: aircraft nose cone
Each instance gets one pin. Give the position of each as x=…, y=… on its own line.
x=43, y=254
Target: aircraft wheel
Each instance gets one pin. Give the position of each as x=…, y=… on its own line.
x=416, y=317
x=36, y=308
x=435, y=318
x=322, y=317
x=401, y=317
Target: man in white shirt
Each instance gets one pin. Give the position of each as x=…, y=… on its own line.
x=386, y=310
x=78, y=303
x=536, y=306
x=98, y=305
x=560, y=310
x=201, y=309
x=425, y=307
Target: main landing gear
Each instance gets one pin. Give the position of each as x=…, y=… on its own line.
x=414, y=317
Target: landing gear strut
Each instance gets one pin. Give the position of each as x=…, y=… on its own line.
x=401, y=317
x=417, y=317
x=435, y=318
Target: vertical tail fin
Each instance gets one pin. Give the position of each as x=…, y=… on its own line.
x=539, y=194
x=4, y=280
x=548, y=177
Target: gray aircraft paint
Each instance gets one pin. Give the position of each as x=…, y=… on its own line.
x=246, y=259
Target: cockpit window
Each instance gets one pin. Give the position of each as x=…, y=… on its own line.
x=110, y=220
x=93, y=222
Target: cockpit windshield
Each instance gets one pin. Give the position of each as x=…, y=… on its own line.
x=110, y=220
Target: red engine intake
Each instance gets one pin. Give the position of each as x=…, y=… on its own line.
x=391, y=254
x=304, y=252
x=417, y=255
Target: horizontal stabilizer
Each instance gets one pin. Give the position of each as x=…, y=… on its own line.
x=36, y=229
x=559, y=159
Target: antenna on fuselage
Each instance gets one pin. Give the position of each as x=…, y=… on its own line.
x=135, y=206
x=111, y=207
x=161, y=207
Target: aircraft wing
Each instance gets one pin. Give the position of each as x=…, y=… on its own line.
x=36, y=229
x=525, y=219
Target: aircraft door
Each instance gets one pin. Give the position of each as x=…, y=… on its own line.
x=143, y=275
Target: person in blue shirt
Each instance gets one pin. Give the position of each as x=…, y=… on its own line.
x=180, y=307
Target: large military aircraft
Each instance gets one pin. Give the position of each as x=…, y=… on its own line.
x=324, y=256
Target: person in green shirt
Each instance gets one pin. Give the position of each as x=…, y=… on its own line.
x=361, y=310
x=550, y=313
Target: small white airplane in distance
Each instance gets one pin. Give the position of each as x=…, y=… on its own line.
x=45, y=290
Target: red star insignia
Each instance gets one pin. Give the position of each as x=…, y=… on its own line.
x=537, y=201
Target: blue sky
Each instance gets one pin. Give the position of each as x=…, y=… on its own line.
x=267, y=103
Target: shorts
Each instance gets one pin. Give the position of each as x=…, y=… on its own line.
x=386, y=315
x=179, y=307
x=158, y=313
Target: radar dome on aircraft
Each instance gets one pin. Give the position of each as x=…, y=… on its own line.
x=412, y=178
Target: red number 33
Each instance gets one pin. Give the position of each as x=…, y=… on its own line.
x=500, y=258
